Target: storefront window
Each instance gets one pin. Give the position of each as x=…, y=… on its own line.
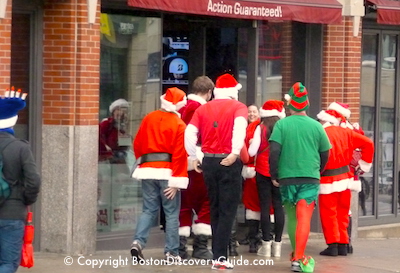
x=130, y=63
x=269, y=83
x=367, y=118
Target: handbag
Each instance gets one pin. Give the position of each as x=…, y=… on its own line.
x=27, y=247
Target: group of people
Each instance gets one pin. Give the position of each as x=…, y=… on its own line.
x=200, y=155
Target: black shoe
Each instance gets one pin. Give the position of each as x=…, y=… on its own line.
x=349, y=249
x=332, y=250
x=253, y=247
x=342, y=249
x=136, y=251
x=200, y=249
x=183, y=249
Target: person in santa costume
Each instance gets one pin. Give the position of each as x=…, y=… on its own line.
x=195, y=198
x=221, y=126
x=250, y=194
x=335, y=195
x=271, y=112
x=162, y=168
x=355, y=185
x=299, y=149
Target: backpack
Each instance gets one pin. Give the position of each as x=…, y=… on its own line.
x=5, y=189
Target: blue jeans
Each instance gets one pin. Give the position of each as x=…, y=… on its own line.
x=153, y=194
x=11, y=239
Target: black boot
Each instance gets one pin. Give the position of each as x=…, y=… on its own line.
x=349, y=246
x=332, y=250
x=253, y=235
x=232, y=246
x=200, y=250
x=342, y=249
x=182, y=248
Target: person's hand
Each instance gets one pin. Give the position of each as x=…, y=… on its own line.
x=275, y=183
x=170, y=192
x=229, y=160
x=197, y=166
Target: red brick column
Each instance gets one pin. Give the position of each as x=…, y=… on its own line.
x=286, y=57
x=5, y=48
x=71, y=61
x=341, y=67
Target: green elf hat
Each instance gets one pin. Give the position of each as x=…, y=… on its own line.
x=297, y=97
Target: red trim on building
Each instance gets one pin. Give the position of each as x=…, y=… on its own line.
x=388, y=11
x=307, y=11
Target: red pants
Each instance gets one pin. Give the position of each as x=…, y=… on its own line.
x=334, y=211
x=195, y=198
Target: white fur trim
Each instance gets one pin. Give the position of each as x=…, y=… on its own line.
x=248, y=172
x=8, y=122
x=272, y=217
x=252, y=215
x=337, y=186
x=327, y=124
x=152, y=173
x=340, y=109
x=169, y=106
x=184, y=231
x=178, y=182
x=365, y=166
x=201, y=229
x=226, y=93
x=324, y=116
x=355, y=185
x=196, y=98
x=272, y=113
x=287, y=97
x=118, y=103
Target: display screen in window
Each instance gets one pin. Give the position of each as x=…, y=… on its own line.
x=175, y=60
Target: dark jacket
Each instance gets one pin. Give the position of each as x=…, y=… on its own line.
x=19, y=166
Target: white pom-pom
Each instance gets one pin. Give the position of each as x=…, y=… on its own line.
x=288, y=97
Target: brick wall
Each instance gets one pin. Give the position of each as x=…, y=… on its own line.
x=71, y=58
x=5, y=48
x=342, y=67
x=286, y=57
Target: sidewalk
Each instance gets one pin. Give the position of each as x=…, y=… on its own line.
x=370, y=256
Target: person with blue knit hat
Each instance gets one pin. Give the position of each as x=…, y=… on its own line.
x=23, y=179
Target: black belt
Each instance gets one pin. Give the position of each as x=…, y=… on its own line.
x=332, y=172
x=154, y=157
x=215, y=155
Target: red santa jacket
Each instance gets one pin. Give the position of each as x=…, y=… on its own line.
x=337, y=176
x=162, y=132
x=248, y=170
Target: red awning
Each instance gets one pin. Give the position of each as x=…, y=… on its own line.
x=307, y=11
x=388, y=11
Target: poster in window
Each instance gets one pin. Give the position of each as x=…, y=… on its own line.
x=175, y=60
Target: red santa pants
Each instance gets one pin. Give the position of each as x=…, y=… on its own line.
x=195, y=198
x=334, y=211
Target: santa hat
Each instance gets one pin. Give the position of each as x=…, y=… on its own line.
x=173, y=99
x=226, y=87
x=297, y=97
x=333, y=117
x=273, y=108
x=118, y=103
x=10, y=104
x=341, y=108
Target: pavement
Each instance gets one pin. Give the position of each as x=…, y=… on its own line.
x=370, y=256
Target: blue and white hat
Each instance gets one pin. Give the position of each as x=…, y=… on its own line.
x=10, y=104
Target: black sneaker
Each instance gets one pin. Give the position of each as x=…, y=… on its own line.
x=136, y=251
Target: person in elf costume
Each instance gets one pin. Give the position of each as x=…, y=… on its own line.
x=299, y=149
x=221, y=126
x=335, y=195
x=162, y=168
x=194, y=198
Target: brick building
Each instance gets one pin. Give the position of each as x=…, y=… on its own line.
x=76, y=57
